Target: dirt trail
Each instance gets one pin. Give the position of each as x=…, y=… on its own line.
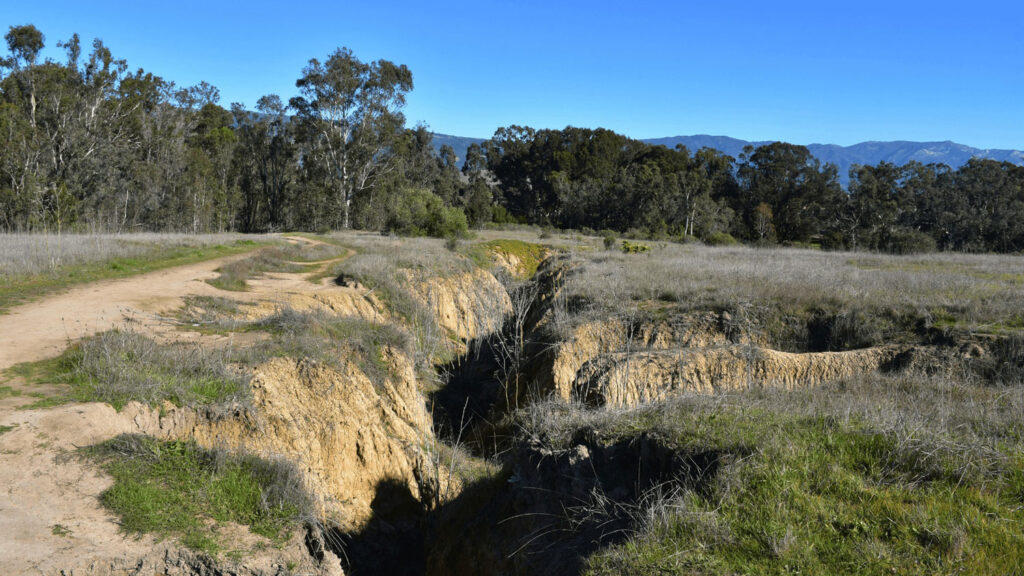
x=51, y=520
x=44, y=328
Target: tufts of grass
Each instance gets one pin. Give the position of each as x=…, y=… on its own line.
x=328, y=339
x=385, y=264
x=209, y=313
x=177, y=489
x=5, y=428
x=235, y=275
x=118, y=367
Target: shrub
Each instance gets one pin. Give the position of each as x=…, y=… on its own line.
x=907, y=241
x=721, y=239
x=609, y=240
x=419, y=212
x=833, y=240
x=634, y=247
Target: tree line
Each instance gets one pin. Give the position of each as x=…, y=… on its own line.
x=776, y=193
x=90, y=144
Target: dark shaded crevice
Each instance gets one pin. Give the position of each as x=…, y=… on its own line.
x=392, y=541
x=552, y=508
x=464, y=406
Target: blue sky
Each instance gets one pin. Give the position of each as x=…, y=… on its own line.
x=805, y=72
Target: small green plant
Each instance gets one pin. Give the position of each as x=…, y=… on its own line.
x=4, y=428
x=634, y=247
x=609, y=241
x=60, y=530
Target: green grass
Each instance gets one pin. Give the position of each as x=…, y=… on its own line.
x=22, y=288
x=834, y=481
x=176, y=489
x=7, y=392
x=530, y=255
x=118, y=367
x=5, y=429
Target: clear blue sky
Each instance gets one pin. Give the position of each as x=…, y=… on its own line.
x=805, y=72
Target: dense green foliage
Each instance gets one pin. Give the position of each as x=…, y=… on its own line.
x=596, y=179
x=89, y=144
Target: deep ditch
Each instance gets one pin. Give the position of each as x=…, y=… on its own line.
x=550, y=507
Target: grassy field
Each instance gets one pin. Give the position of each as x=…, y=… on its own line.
x=34, y=265
x=888, y=296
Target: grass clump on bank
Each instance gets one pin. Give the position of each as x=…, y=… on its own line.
x=291, y=258
x=527, y=254
x=120, y=366
x=387, y=266
x=328, y=339
x=177, y=489
x=35, y=265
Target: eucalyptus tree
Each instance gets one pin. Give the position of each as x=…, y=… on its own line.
x=350, y=112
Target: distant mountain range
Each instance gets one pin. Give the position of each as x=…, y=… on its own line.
x=899, y=152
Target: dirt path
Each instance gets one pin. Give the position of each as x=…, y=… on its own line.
x=50, y=517
x=51, y=520
x=44, y=328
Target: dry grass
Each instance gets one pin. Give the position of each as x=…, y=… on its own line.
x=380, y=256
x=31, y=254
x=121, y=366
x=971, y=292
x=34, y=265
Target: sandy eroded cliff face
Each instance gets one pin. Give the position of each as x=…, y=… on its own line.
x=346, y=434
x=343, y=433
x=467, y=305
x=655, y=352
x=622, y=379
